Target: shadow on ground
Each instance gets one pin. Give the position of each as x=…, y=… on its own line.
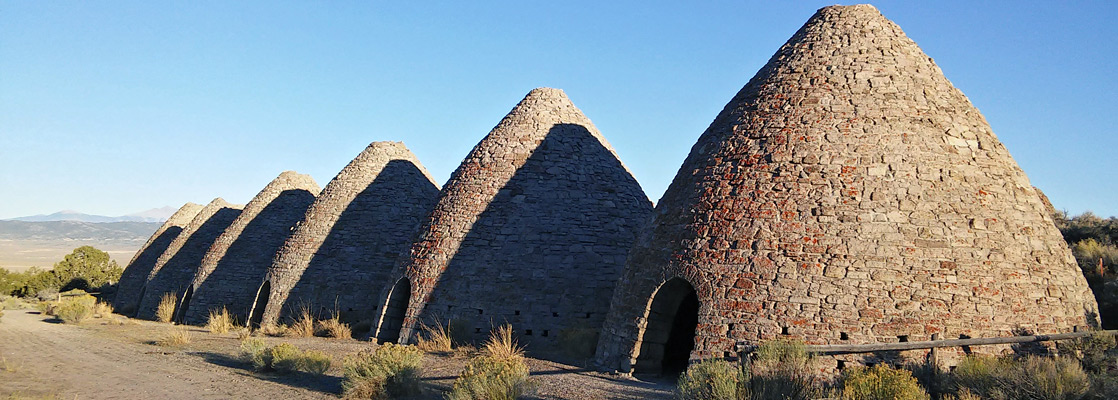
x=319, y=383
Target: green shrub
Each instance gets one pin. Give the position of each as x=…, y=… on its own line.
x=286, y=358
x=783, y=370
x=389, y=371
x=315, y=362
x=1092, y=351
x=256, y=352
x=881, y=383
x=165, y=311
x=75, y=309
x=493, y=378
x=1034, y=377
x=712, y=380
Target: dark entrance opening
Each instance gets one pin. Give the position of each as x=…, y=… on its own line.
x=669, y=336
x=394, y=312
x=180, y=312
x=257, y=313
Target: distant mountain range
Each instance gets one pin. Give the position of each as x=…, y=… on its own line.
x=152, y=215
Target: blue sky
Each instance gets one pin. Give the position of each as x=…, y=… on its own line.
x=116, y=107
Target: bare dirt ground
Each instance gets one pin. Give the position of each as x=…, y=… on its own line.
x=100, y=360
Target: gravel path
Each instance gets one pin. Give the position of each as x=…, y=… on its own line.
x=102, y=360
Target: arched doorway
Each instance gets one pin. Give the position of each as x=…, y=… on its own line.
x=394, y=312
x=669, y=334
x=256, y=316
x=180, y=311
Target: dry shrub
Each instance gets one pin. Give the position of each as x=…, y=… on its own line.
x=102, y=310
x=283, y=357
x=45, y=307
x=220, y=321
x=881, y=382
x=1031, y=378
x=334, y=328
x=712, y=380
x=435, y=339
x=75, y=309
x=502, y=344
x=274, y=330
x=390, y=371
x=243, y=333
x=166, y=309
x=578, y=342
x=177, y=337
x=303, y=326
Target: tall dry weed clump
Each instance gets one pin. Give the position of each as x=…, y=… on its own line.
x=165, y=312
x=75, y=309
x=303, y=326
x=220, y=321
x=102, y=310
x=390, y=371
x=334, y=328
x=435, y=338
x=175, y=338
x=500, y=372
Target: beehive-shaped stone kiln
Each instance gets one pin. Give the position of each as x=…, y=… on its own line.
x=233, y=267
x=847, y=194
x=175, y=268
x=340, y=254
x=531, y=230
x=136, y=273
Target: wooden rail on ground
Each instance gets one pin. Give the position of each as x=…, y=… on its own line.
x=831, y=349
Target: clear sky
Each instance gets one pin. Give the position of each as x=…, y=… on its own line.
x=116, y=107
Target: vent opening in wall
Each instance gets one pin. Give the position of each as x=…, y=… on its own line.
x=902, y=338
x=527, y=332
x=784, y=330
x=544, y=334
x=516, y=312
x=841, y=365
x=844, y=336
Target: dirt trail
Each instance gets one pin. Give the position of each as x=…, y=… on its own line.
x=98, y=360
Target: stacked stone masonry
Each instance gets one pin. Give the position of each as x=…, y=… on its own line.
x=531, y=230
x=847, y=194
x=233, y=267
x=340, y=254
x=136, y=273
x=175, y=269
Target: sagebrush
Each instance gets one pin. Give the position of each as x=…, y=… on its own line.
x=390, y=371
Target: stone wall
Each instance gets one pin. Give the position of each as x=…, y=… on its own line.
x=532, y=230
x=233, y=267
x=338, y=256
x=136, y=273
x=175, y=268
x=847, y=194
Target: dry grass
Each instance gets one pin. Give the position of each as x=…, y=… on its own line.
x=102, y=310
x=243, y=333
x=166, y=310
x=334, y=328
x=502, y=344
x=177, y=337
x=274, y=330
x=435, y=339
x=220, y=321
x=303, y=325
x=8, y=366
